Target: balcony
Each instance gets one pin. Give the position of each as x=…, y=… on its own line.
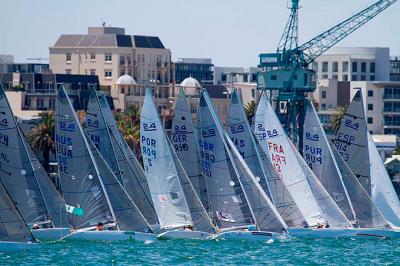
x=41, y=91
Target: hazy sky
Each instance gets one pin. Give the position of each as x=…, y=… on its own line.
x=231, y=32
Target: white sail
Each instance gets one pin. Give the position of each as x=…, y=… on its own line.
x=103, y=132
x=274, y=142
x=228, y=206
x=355, y=145
x=367, y=214
x=162, y=176
x=382, y=190
x=242, y=136
x=265, y=214
x=184, y=139
x=318, y=155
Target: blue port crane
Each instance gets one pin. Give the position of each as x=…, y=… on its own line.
x=286, y=73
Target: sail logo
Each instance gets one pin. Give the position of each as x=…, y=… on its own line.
x=96, y=192
x=225, y=217
x=180, y=129
x=4, y=122
x=350, y=124
x=208, y=133
x=149, y=126
x=92, y=123
x=312, y=137
x=236, y=128
x=69, y=127
x=3, y=139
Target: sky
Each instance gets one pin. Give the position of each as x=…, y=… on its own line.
x=231, y=32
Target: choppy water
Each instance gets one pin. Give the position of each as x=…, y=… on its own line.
x=295, y=252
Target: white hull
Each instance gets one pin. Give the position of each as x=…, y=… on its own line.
x=248, y=235
x=182, y=234
x=376, y=232
x=15, y=246
x=112, y=236
x=322, y=232
x=50, y=234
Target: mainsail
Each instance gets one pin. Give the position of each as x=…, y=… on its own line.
x=367, y=214
x=26, y=182
x=184, y=139
x=135, y=181
x=277, y=145
x=319, y=157
x=355, y=145
x=104, y=133
x=161, y=172
x=242, y=136
x=228, y=205
x=84, y=194
x=12, y=225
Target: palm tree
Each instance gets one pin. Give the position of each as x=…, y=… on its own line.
x=338, y=117
x=41, y=137
x=250, y=110
x=129, y=125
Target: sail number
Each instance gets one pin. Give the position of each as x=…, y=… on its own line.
x=4, y=139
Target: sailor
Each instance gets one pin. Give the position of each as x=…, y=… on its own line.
x=188, y=228
x=35, y=226
x=100, y=226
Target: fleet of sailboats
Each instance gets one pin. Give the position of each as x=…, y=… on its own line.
x=204, y=181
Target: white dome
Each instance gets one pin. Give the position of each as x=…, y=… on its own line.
x=190, y=83
x=126, y=80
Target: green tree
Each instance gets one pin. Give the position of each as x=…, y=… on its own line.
x=41, y=137
x=129, y=125
x=338, y=117
x=250, y=110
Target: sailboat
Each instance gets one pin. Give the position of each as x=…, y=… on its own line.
x=184, y=140
x=91, y=191
x=314, y=202
x=177, y=205
x=102, y=130
x=238, y=204
x=27, y=182
x=355, y=145
x=14, y=233
x=242, y=136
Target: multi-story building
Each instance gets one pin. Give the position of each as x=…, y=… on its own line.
x=395, y=68
x=32, y=93
x=354, y=64
x=24, y=68
x=201, y=69
x=108, y=53
x=225, y=75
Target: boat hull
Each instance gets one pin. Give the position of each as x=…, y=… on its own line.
x=182, y=234
x=111, y=236
x=248, y=235
x=376, y=232
x=322, y=233
x=50, y=234
x=15, y=246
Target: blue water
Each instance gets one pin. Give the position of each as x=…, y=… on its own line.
x=295, y=252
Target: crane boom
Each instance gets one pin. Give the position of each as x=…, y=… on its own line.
x=321, y=43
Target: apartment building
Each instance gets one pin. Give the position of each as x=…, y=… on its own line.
x=109, y=53
x=201, y=69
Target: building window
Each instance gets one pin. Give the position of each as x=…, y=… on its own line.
x=68, y=58
x=108, y=74
x=93, y=72
x=108, y=57
x=370, y=93
x=372, y=67
x=335, y=66
x=324, y=66
x=353, y=77
x=345, y=77
x=122, y=72
x=253, y=93
x=122, y=60
x=370, y=120
x=363, y=67
x=323, y=106
x=324, y=76
x=323, y=94
x=370, y=107
x=345, y=66
x=354, y=67
x=283, y=106
x=92, y=57
x=335, y=76
x=372, y=77
x=68, y=71
x=363, y=78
